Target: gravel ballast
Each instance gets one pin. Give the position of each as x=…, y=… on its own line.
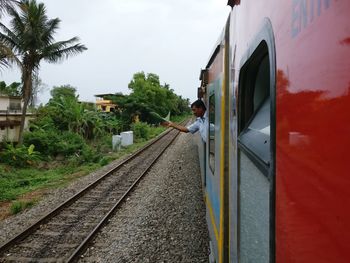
x=163, y=219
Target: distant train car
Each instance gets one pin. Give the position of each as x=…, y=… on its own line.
x=276, y=165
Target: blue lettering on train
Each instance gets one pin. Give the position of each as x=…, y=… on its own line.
x=305, y=11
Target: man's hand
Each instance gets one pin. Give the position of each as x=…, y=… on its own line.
x=167, y=124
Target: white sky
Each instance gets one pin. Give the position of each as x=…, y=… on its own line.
x=171, y=38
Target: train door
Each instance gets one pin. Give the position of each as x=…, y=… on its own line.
x=256, y=150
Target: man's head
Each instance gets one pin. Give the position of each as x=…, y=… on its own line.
x=198, y=108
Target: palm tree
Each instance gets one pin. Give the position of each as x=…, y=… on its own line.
x=6, y=56
x=6, y=53
x=31, y=41
x=4, y=4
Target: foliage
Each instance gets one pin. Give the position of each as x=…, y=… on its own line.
x=7, y=56
x=5, y=4
x=68, y=114
x=15, y=182
x=148, y=95
x=104, y=161
x=19, y=206
x=69, y=143
x=159, y=119
x=64, y=126
x=53, y=143
x=86, y=155
x=141, y=130
x=44, y=140
x=19, y=156
x=66, y=91
x=14, y=89
x=111, y=123
x=31, y=40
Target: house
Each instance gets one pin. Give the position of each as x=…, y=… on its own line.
x=10, y=117
x=103, y=104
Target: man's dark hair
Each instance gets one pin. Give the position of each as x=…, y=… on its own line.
x=198, y=104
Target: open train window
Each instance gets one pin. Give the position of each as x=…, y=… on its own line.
x=254, y=124
x=212, y=133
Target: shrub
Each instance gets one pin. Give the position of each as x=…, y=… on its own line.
x=44, y=140
x=105, y=143
x=141, y=130
x=86, y=155
x=18, y=206
x=69, y=143
x=19, y=156
x=53, y=143
x=104, y=161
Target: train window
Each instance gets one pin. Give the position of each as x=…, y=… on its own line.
x=254, y=158
x=212, y=132
x=254, y=128
x=262, y=83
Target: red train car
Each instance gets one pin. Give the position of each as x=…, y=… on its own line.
x=275, y=166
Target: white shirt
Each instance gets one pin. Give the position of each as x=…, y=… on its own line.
x=201, y=125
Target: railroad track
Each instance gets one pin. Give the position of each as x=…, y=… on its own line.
x=63, y=234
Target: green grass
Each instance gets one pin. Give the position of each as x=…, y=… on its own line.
x=16, y=182
x=19, y=206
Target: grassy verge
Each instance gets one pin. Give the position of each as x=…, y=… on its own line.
x=21, y=188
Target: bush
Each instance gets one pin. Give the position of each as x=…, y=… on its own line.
x=104, y=161
x=141, y=130
x=44, y=141
x=52, y=143
x=19, y=156
x=69, y=143
x=86, y=155
x=104, y=144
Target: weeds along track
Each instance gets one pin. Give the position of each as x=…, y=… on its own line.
x=63, y=234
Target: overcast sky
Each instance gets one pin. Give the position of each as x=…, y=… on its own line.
x=171, y=38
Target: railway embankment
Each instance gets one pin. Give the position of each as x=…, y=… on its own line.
x=162, y=220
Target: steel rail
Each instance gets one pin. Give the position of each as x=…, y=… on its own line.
x=104, y=221
x=25, y=233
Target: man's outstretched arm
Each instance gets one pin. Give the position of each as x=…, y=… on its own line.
x=175, y=126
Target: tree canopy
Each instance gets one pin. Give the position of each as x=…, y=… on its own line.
x=14, y=89
x=29, y=40
x=148, y=95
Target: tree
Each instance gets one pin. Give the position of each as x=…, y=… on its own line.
x=148, y=95
x=62, y=91
x=31, y=38
x=69, y=114
x=6, y=53
x=14, y=89
x=4, y=4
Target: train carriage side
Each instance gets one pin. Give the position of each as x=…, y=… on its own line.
x=278, y=97
x=214, y=88
x=313, y=124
